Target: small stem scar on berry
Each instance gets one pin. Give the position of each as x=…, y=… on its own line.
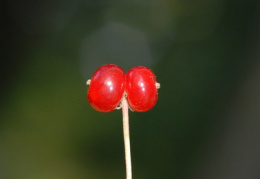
x=88, y=82
x=156, y=84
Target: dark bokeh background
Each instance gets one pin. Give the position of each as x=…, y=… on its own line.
x=204, y=53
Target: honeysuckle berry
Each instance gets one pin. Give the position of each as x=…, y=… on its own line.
x=106, y=88
x=141, y=89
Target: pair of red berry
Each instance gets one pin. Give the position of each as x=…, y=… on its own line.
x=109, y=84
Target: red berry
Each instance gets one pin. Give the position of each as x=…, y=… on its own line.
x=106, y=88
x=141, y=89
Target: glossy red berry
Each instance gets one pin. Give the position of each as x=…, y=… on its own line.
x=141, y=89
x=106, y=88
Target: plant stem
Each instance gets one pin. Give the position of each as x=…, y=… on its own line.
x=126, y=138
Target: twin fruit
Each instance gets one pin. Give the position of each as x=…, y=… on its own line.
x=110, y=84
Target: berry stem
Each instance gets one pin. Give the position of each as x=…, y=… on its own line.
x=126, y=138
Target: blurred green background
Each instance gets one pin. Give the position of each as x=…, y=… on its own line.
x=204, y=53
